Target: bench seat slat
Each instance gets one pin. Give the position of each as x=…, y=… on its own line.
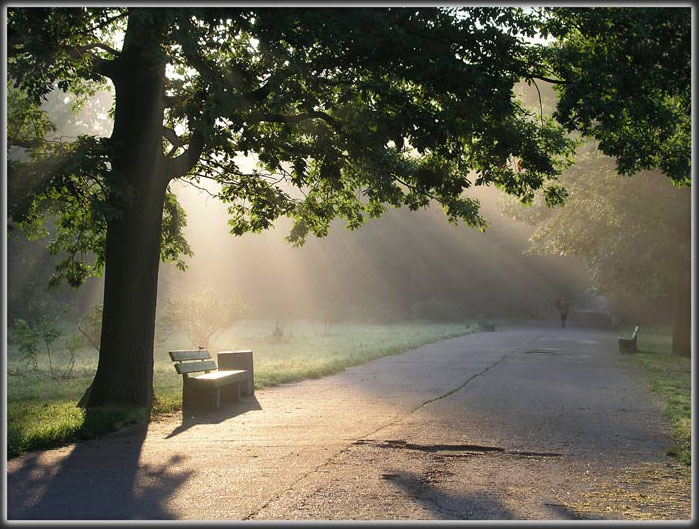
x=220, y=378
x=179, y=356
x=193, y=367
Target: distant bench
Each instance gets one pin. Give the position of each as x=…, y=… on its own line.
x=212, y=386
x=628, y=345
x=484, y=325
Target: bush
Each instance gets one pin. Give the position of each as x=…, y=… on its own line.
x=201, y=315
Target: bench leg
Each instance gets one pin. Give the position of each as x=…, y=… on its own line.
x=188, y=396
x=216, y=398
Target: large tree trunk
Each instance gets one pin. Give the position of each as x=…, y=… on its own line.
x=125, y=368
x=682, y=328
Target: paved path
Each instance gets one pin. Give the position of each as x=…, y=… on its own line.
x=516, y=424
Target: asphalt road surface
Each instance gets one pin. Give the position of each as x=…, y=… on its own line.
x=528, y=422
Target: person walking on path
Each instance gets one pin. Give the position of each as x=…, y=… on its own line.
x=562, y=305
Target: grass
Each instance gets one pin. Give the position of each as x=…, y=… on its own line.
x=41, y=411
x=670, y=377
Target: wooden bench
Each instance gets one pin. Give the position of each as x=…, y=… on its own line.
x=209, y=389
x=628, y=345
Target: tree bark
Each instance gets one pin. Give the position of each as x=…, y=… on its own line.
x=682, y=328
x=682, y=325
x=125, y=368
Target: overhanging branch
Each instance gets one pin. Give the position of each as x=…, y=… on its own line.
x=171, y=136
x=297, y=118
x=96, y=45
x=546, y=79
x=185, y=162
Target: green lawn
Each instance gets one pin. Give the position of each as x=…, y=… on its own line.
x=41, y=411
x=670, y=377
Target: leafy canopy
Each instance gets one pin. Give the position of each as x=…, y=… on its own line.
x=348, y=111
x=625, y=80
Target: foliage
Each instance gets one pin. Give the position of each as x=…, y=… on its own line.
x=27, y=122
x=78, y=196
x=201, y=315
x=48, y=329
x=354, y=129
x=624, y=78
x=631, y=232
x=45, y=328
x=670, y=377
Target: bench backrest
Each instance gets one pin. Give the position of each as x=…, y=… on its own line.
x=192, y=361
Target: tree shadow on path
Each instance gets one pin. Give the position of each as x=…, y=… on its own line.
x=471, y=506
x=99, y=480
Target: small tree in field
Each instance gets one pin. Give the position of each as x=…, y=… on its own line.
x=45, y=328
x=91, y=326
x=201, y=315
x=26, y=338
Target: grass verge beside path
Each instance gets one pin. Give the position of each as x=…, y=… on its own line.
x=670, y=377
x=41, y=411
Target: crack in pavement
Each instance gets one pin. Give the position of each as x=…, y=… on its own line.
x=463, y=385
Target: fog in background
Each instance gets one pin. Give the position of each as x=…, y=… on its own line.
x=404, y=265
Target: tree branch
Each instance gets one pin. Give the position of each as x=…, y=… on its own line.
x=25, y=144
x=97, y=45
x=541, y=106
x=102, y=66
x=547, y=79
x=416, y=190
x=172, y=137
x=200, y=188
x=185, y=162
x=297, y=118
x=233, y=77
x=171, y=101
x=275, y=80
